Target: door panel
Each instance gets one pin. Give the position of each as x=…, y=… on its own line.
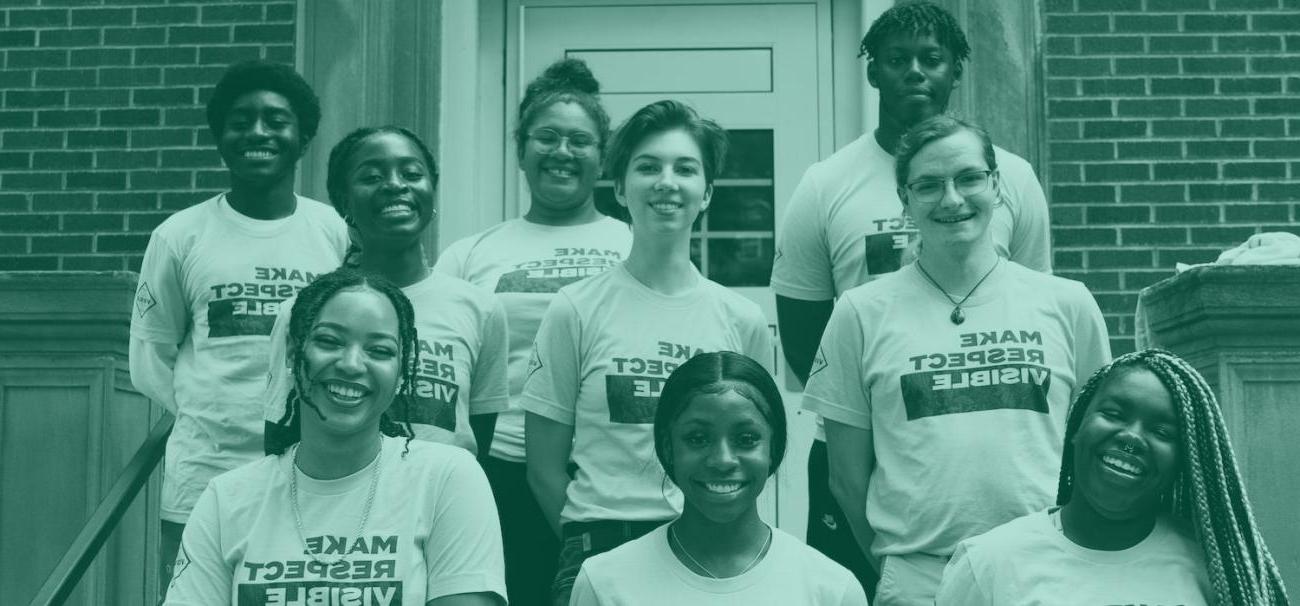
x=754, y=69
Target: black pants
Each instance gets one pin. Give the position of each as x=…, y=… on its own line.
x=828, y=531
x=583, y=540
x=531, y=548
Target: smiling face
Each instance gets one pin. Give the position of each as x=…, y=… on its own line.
x=389, y=190
x=953, y=219
x=721, y=455
x=260, y=142
x=353, y=361
x=915, y=76
x=664, y=188
x=1126, y=451
x=561, y=181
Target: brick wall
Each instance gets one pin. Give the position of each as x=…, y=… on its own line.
x=102, y=129
x=1174, y=133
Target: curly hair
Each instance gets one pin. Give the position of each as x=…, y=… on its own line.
x=917, y=19
x=258, y=75
x=1207, y=490
x=304, y=315
x=716, y=373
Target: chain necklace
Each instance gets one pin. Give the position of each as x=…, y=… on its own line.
x=672, y=534
x=957, y=316
x=297, y=514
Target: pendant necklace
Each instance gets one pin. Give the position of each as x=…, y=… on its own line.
x=957, y=316
x=297, y=514
x=672, y=535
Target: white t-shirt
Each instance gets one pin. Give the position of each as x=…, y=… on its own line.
x=212, y=282
x=603, y=352
x=432, y=531
x=645, y=571
x=1028, y=562
x=462, y=332
x=845, y=225
x=524, y=264
x=967, y=420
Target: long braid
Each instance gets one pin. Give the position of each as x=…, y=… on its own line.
x=1208, y=491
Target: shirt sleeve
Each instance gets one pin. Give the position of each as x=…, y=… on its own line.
x=202, y=576
x=1031, y=241
x=490, y=390
x=584, y=594
x=959, y=586
x=836, y=389
x=758, y=342
x=551, y=385
x=801, y=268
x=463, y=552
x=1091, y=339
x=151, y=366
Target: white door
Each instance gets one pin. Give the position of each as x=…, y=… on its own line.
x=754, y=69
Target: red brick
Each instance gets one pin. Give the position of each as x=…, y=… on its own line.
x=1108, y=6
x=31, y=181
x=1219, y=192
x=31, y=139
x=92, y=222
x=1108, y=129
x=1107, y=258
x=239, y=13
x=120, y=243
x=1256, y=213
x=177, y=76
x=130, y=76
x=263, y=33
x=280, y=12
x=1186, y=171
x=1114, y=86
x=1225, y=5
x=158, y=179
x=29, y=263
x=11, y=160
x=1065, y=173
x=1070, y=215
x=1137, y=280
x=114, y=180
x=212, y=179
x=10, y=245
x=17, y=38
x=1084, y=236
x=69, y=37
x=65, y=78
x=34, y=98
x=1249, y=44
x=1270, y=65
x=1100, y=215
x=202, y=34
x=1183, y=128
x=280, y=53
x=1117, y=172
x=1221, y=236
x=1129, y=150
x=1077, y=24
x=129, y=117
x=96, y=138
x=1149, y=107
x=61, y=244
x=1202, y=213
x=1078, y=67
x=1214, y=23
x=62, y=160
x=1146, y=24
x=1150, y=236
x=169, y=15
x=92, y=263
x=102, y=16
x=145, y=221
x=1287, y=148
x=1182, y=86
x=1087, y=108
x=185, y=199
x=1085, y=194
x=99, y=57
x=20, y=58
x=1275, y=22
x=1058, y=130
x=1112, y=45
x=1253, y=128
x=1061, y=45
x=1254, y=170
x=16, y=78
x=167, y=55
x=1146, y=66
x=128, y=201
x=190, y=158
x=1101, y=150
x=1218, y=149
x=186, y=116
x=162, y=137
x=38, y=17
x=1216, y=107
x=135, y=36
x=226, y=55
x=1067, y=259
x=1236, y=86
x=1153, y=193
x=31, y=223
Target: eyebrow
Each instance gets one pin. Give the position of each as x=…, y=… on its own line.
x=675, y=160
x=381, y=162
x=342, y=328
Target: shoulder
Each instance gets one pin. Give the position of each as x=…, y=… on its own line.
x=1181, y=537
x=813, y=566
x=1008, y=541
x=243, y=481
x=464, y=246
x=188, y=220
x=880, y=290
x=593, y=287
x=1064, y=289
x=432, y=459
x=631, y=557
x=851, y=156
x=733, y=303
x=1011, y=163
x=452, y=288
x=317, y=212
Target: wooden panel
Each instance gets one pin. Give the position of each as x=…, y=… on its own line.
x=713, y=70
x=46, y=472
x=1261, y=405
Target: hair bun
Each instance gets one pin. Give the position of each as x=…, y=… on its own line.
x=568, y=74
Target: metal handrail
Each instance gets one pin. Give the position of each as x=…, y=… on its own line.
x=81, y=554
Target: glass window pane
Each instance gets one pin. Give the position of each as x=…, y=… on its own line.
x=740, y=261
x=741, y=209
x=749, y=155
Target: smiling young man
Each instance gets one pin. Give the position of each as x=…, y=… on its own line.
x=845, y=223
x=213, y=277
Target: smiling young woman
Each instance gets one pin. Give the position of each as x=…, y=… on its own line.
x=720, y=433
x=1151, y=506
x=607, y=343
x=346, y=495
x=963, y=355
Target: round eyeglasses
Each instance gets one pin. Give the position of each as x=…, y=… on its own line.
x=929, y=191
x=547, y=141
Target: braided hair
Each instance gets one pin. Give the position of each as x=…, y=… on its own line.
x=336, y=176
x=1207, y=490
x=917, y=19
x=306, y=310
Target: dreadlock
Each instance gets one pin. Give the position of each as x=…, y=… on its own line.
x=306, y=311
x=917, y=19
x=336, y=178
x=1207, y=490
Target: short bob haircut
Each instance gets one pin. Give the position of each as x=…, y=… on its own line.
x=715, y=373
x=260, y=75
x=930, y=130
x=660, y=117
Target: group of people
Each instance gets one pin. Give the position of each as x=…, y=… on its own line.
x=563, y=410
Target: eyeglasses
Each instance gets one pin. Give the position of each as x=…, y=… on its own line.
x=928, y=191
x=547, y=141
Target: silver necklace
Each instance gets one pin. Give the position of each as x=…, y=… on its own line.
x=297, y=514
x=957, y=316
x=672, y=533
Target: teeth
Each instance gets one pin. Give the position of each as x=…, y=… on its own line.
x=344, y=391
x=258, y=154
x=665, y=206
x=954, y=219
x=1124, y=466
x=722, y=488
x=395, y=208
x=562, y=173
